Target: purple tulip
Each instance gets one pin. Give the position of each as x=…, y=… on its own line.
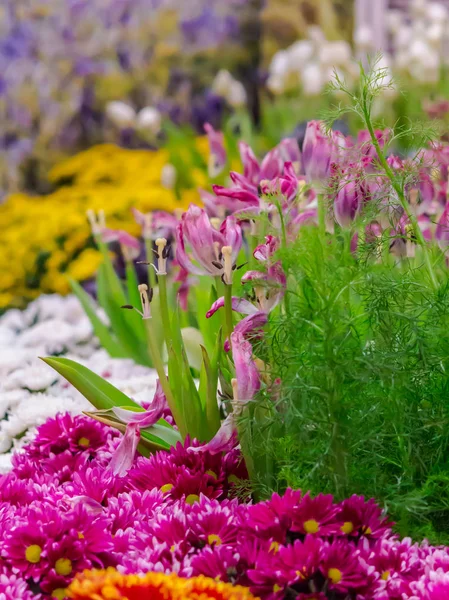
x=206, y=243
x=217, y=158
x=247, y=376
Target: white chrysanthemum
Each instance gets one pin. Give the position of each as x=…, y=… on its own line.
x=36, y=377
x=5, y=463
x=13, y=318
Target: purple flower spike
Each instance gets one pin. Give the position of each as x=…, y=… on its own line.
x=217, y=158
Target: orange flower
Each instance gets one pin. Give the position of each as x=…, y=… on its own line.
x=112, y=585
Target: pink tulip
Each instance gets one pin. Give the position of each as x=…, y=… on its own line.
x=155, y=224
x=246, y=373
x=217, y=160
x=317, y=152
x=352, y=193
x=223, y=441
x=442, y=230
x=130, y=245
x=206, y=243
x=123, y=457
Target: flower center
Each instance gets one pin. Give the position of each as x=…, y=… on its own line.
x=276, y=588
x=214, y=539
x=335, y=575
x=80, y=535
x=166, y=488
x=311, y=526
x=367, y=530
x=274, y=547
x=59, y=593
x=211, y=473
x=84, y=442
x=385, y=575
x=347, y=527
x=33, y=553
x=192, y=498
x=63, y=566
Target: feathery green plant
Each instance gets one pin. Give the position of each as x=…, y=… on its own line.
x=363, y=357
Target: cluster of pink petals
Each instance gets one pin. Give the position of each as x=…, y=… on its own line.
x=62, y=510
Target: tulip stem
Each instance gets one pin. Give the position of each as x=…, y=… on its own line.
x=151, y=271
x=398, y=188
x=159, y=366
x=162, y=279
x=228, y=310
x=321, y=215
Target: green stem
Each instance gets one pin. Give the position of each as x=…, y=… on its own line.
x=151, y=271
x=228, y=310
x=159, y=366
x=401, y=196
x=164, y=310
x=321, y=215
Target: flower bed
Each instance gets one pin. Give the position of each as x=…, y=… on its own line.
x=297, y=324
x=63, y=510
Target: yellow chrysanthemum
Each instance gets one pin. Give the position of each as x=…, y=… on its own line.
x=45, y=239
x=112, y=585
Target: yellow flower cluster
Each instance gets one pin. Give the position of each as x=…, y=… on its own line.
x=46, y=239
x=112, y=585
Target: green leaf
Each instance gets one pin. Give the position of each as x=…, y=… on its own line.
x=123, y=322
x=100, y=393
x=107, y=340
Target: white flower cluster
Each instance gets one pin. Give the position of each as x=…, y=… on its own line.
x=310, y=64
x=148, y=119
x=419, y=40
x=229, y=88
x=30, y=391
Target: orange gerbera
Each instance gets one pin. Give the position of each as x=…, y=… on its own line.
x=112, y=585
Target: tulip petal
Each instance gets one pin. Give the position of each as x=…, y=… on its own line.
x=123, y=457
